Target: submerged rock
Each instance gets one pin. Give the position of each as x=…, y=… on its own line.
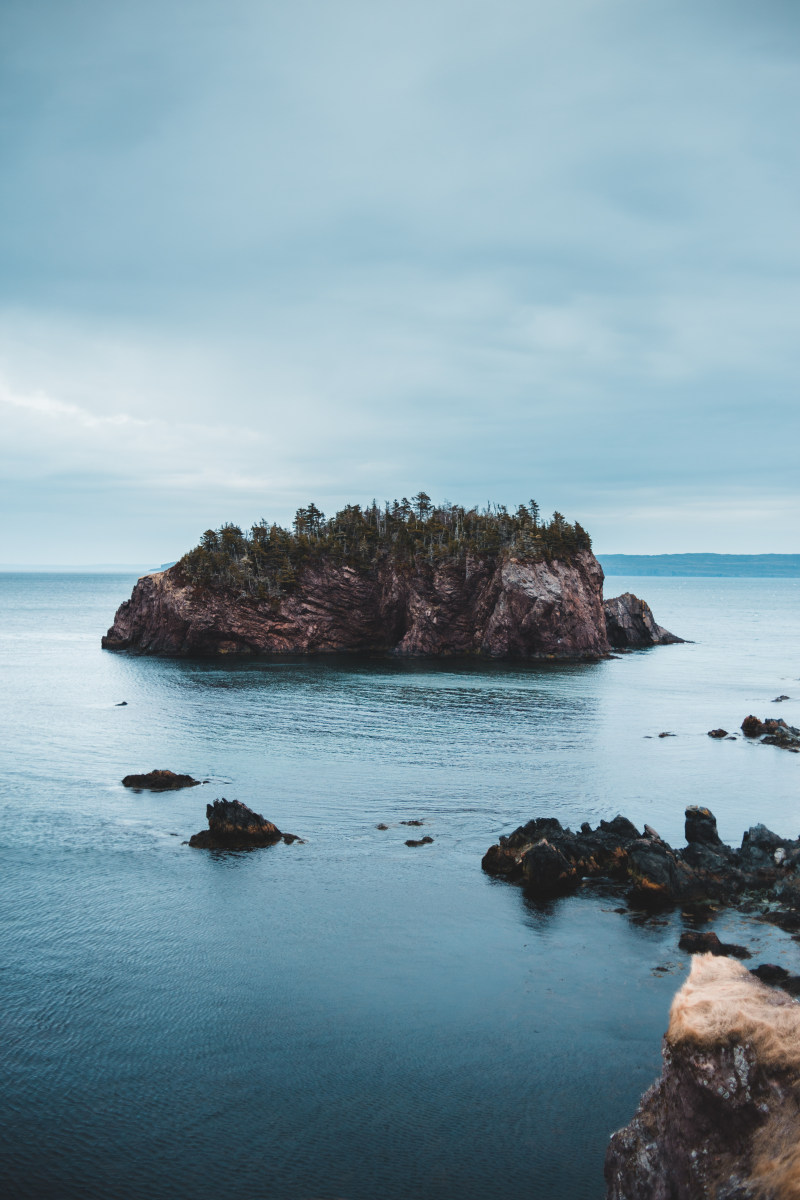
x=424, y=841
x=234, y=826
x=160, y=781
x=551, y=860
x=723, y=1121
x=718, y=733
x=630, y=624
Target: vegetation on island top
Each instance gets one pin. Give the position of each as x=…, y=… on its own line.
x=266, y=561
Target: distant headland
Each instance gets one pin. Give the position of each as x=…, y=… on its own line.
x=408, y=578
x=745, y=566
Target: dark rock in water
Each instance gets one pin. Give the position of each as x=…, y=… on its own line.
x=425, y=841
x=631, y=625
x=666, y=733
x=412, y=822
x=779, y=699
x=709, y=943
x=752, y=727
x=160, y=781
x=547, y=871
x=700, y=825
x=773, y=733
x=723, y=1121
x=122, y=704
x=381, y=826
x=789, y=922
x=551, y=860
x=777, y=976
x=718, y=733
x=234, y=826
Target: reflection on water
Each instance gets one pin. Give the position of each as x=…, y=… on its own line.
x=348, y=1017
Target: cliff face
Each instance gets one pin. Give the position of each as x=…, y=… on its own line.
x=495, y=607
x=723, y=1121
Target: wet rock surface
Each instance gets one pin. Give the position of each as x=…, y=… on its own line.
x=160, y=781
x=772, y=733
x=630, y=624
x=723, y=1121
x=552, y=861
x=491, y=606
x=709, y=943
x=234, y=826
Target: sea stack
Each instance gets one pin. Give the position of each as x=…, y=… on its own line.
x=421, y=581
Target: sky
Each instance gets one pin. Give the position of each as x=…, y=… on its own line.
x=254, y=254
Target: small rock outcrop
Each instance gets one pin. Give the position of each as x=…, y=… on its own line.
x=552, y=861
x=234, y=826
x=723, y=1121
x=160, y=781
x=630, y=625
x=772, y=733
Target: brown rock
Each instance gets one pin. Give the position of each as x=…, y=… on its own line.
x=234, y=826
x=488, y=606
x=425, y=841
x=709, y=943
x=160, y=781
x=718, y=733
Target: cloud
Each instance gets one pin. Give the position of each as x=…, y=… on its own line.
x=282, y=252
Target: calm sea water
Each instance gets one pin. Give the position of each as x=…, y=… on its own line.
x=349, y=1018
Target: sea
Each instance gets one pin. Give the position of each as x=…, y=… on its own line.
x=348, y=1017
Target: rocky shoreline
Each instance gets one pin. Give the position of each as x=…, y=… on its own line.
x=491, y=606
x=553, y=861
x=723, y=1120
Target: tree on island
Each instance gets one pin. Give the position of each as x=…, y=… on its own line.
x=265, y=563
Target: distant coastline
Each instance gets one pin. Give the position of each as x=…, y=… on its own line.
x=720, y=566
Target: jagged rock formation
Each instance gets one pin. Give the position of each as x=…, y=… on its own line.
x=772, y=733
x=630, y=624
x=723, y=1121
x=492, y=606
x=160, y=781
x=551, y=861
x=234, y=826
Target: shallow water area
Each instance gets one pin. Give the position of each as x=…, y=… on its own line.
x=351, y=1017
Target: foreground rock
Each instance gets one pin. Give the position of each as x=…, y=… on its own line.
x=630, y=624
x=552, y=861
x=234, y=826
x=491, y=606
x=160, y=781
x=772, y=733
x=723, y=1121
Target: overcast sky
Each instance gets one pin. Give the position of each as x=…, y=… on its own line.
x=257, y=253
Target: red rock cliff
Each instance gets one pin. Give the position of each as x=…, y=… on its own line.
x=497, y=607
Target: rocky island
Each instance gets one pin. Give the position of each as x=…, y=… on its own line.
x=410, y=578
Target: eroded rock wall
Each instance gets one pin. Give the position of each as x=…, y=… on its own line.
x=492, y=607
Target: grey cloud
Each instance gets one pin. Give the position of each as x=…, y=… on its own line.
x=479, y=248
